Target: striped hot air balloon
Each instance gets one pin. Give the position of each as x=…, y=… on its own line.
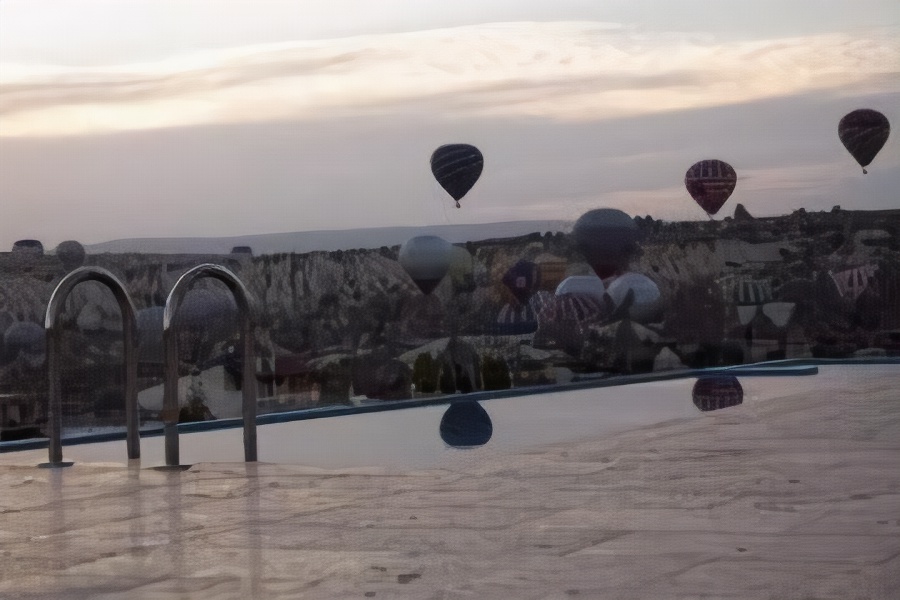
x=863, y=133
x=571, y=306
x=457, y=167
x=563, y=319
x=710, y=183
x=750, y=291
x=578, y=307
x=516, y=319
x=851, y=283
x=749, y=295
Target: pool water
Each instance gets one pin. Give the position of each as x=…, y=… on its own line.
x=410, y=438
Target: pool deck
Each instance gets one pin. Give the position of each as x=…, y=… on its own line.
x=787, y=497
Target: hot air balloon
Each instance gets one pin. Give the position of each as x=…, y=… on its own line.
x=516, y=319
x=863, y=133
x=578, y=308
x=607, y=238
x=466, y=425
x=749, y=296
x=462, y=269
x=207, y=311
x=587, y=285
x=714, y=392
x=710, y=183
x=522, y=280
x=646, y=303
x=26, y=338
x=564, y=318
x=578, y=300
x=71, y=254
x=457, y=167
x=426, y=258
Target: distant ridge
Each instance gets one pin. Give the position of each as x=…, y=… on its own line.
x=325, y=241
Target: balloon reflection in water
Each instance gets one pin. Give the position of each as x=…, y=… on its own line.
x=466, y=425
x=714, y=392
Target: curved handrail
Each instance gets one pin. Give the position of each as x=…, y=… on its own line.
x=129, y=329
x=170, y=341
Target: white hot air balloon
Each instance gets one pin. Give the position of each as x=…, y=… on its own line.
x=647, y=299
x=426, y=258
x=585, y=285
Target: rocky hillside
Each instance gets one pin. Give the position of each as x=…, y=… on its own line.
x=322, y=315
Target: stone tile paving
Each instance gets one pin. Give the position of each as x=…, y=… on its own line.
x=784, y=497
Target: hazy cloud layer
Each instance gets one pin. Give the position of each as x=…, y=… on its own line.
x=567, y=71
x=104, y=32
x=340, y=173
x=226, y=138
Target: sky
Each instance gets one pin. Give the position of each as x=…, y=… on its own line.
x=171, y=118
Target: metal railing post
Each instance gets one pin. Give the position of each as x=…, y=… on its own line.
x=170, y=339
x=129, y=332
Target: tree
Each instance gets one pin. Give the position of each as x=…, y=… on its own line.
x=495, y=373
x=426, y=373
x=696, y=313
x=196, y=409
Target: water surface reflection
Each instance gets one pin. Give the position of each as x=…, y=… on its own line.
x=466, y=425
x=398, y=440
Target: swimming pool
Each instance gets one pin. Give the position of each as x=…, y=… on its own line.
x=409, y=438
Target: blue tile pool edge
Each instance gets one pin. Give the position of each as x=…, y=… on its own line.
x=786, y=367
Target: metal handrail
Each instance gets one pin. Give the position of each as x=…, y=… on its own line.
x=129, y=329
x=170, y=341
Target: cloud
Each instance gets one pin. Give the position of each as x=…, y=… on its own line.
x=337, y=173
x=567, y=71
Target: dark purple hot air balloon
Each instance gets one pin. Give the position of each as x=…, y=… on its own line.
x=710, y=183
x=457, y=167
x=863, y=133
x=522, y=280
x=607, y=238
